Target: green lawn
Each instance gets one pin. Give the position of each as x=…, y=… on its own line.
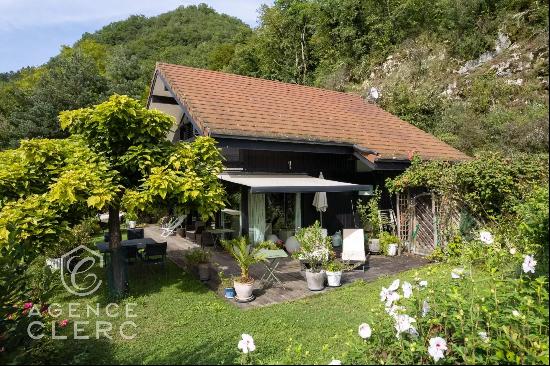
x=180, y=321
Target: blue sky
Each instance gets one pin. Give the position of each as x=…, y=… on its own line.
x=32, y=31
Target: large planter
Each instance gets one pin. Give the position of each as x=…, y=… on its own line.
x=392, y=249
x=204, y=271
x=243, y=290
x=315, y=280
x=374, y=245
x=334, y=279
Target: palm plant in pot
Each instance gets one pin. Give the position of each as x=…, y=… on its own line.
x=315, y=249
x=200, y=258
x=245, y=255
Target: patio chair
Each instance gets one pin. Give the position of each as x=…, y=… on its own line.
x=166, y=232
x=192, y=234
x=155, y=253
x=131, y=254
x=206, y=238
x=353, y=248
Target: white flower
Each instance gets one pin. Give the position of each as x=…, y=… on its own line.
x=425, y=308
x=529, y=264
x=413, y=332
x=457, y=273
x=515, y=313
x=486, y=237
x=407, y=290
x=393, y=310
x=365, y=331
x=483, y=336
x=423, y=283
x=437, y=348
x=335, y=362
x=384, y=294
x=246, y=344
x=513, y=251
x=394, y=286
x=403, y=323
x=391, y=298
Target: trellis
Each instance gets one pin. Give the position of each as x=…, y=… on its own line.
x=425, y=220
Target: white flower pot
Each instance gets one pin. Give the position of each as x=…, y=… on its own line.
x=374, y=245
x=204, y=271
x=315, y=280
x=392, y=250
x=334, y=279
x=243, y=290
x=131, y=224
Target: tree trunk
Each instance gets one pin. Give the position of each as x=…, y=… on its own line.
x=119, y=280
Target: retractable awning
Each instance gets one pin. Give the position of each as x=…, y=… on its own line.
x=289, y=183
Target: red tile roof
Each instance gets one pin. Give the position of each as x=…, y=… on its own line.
x=229, y=104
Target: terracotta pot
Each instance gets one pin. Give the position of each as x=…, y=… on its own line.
x=243, y=290
x=315, y=280
x=334, y=279
x=204, y=271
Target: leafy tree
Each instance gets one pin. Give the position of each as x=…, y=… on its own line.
x=45, y=187
x=71, y=81
x=148, y=169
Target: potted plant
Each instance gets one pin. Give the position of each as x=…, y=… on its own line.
x=245, y=255
x=131, y=218
x=389, y=243
x=315, y=250
x=334, y=271
x=368, y=213
x=227, y=284
x=200, y=258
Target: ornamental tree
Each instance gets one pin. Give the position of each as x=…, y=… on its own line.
x=45, y=187
x=147, y=169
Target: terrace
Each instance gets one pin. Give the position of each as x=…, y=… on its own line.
x=292, y=278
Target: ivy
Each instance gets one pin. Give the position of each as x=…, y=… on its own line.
x=488, y=185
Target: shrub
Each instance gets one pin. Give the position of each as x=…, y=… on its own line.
x=386, y=239
x=475, y=318
x=197, y=256
x=315, y=249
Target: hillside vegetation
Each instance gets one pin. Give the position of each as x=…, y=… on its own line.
x=119, y=58
x=474, y=73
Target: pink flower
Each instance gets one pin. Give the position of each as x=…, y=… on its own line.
x=27, y=305
x=63, y=323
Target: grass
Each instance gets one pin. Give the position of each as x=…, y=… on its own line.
x=180, y=321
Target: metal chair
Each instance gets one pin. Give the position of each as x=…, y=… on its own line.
x=155, y=253
x=131, y=254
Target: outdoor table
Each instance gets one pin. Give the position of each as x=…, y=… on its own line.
x=217, y=234
x=103, y=246
x=273, y=257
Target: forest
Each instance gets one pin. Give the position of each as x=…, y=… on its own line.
x=473, y=73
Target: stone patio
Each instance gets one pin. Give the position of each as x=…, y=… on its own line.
x=294, y=283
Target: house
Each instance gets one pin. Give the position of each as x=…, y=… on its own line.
x=278, y=137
